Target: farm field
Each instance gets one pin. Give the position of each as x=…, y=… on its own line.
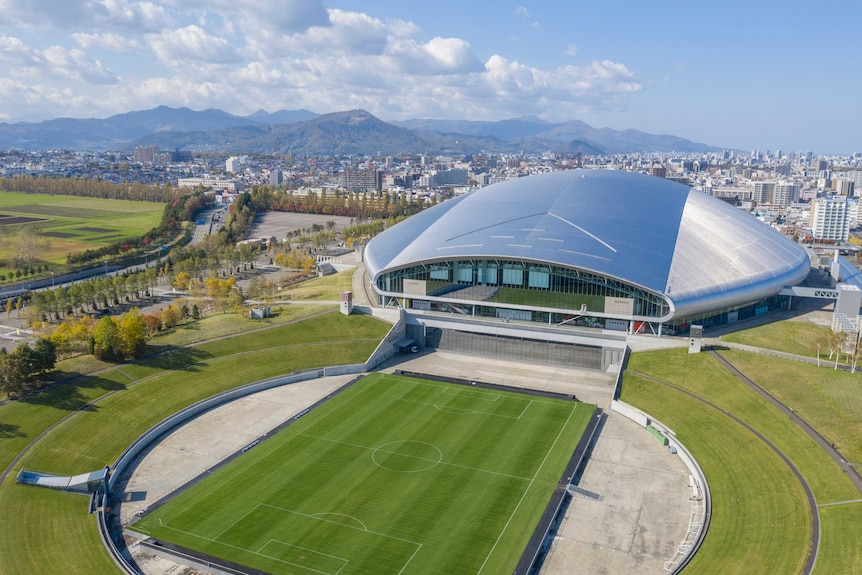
x=422, y=477
x=69, y=224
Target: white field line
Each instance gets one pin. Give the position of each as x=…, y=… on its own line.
x=527, y=490
x=344, y=561
x=259, y=456
x=316, y=518
x=247, y=550
x=365, y=447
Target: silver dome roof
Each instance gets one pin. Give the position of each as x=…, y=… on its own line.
x=699, y=252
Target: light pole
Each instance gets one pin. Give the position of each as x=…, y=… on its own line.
x=52, y=279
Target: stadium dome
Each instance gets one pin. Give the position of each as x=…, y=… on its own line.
x=586, y=240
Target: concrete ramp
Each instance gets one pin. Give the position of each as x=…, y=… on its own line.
x=85, y=483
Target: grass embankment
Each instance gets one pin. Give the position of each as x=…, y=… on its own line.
x=70, y=224
x=761, y=521
x=795, y=337
x=829, y=400
x=326, y=288
x=39, y=525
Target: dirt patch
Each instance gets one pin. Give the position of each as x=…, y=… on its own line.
x=58, y=234
x=96, y=230
x=7, y=220
x=279, y=224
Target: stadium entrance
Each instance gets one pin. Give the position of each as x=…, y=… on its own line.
x=514, y=348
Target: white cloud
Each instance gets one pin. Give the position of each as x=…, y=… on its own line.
x=571, y=50
x=346, y=33
x=438, y=56
x=109, y=40
x=241, y=55
x=76, y=65
x=54, y=61
x=265, y=16
x=173, y=47
x=90, y=14
x=16, y=52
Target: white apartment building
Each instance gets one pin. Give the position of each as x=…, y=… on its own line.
x=779, y=194
x=234, y=164
x=212, y=183
x=787, y=194
x=830, y=219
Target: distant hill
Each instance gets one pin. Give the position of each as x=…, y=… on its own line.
x=353, y=132
x=532, y=133
x=282, y=116
x=117, y=131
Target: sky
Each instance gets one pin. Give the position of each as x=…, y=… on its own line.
x=740, y=75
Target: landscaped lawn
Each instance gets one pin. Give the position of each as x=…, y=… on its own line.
x=45, y=522
x=796, y=337
x=702, y=375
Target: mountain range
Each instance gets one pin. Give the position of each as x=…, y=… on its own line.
x=340, y=133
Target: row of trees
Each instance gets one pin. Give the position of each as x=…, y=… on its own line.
x=838, y=343
x=337, y=202
x=92, y=294
x=75, y=186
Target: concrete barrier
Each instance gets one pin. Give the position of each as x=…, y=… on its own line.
x=696, y=534
x=181, y=417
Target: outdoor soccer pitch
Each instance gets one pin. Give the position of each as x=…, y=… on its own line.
x=392, y=476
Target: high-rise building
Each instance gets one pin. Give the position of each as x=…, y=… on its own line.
x=830, y=219
x=145, y=154
x=368, y=179
x=786, y=194
x=843, y=187
x=764, y=192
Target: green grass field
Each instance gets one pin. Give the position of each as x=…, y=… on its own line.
x=392, y=476
x=549, y=299
x=754, y=527
x=788, y=336
x=53, y=533
x=69, y=224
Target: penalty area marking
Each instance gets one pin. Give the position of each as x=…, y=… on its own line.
x=318, y=515
x=335, y=558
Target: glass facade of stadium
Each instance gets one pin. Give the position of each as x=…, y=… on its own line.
x=501, y=288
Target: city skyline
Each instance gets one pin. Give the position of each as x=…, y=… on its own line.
x=739, y=76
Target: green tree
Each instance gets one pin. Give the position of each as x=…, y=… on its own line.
x=44, y=356
x=13, y=373
x=181, y=281
x=107, y=343
x=9, y=306
x=133, y=333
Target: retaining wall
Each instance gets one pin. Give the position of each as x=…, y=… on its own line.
x=645, y=420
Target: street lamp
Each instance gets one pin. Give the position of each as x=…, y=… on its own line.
x=52, y=279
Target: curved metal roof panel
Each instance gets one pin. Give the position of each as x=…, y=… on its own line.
x=644, y=230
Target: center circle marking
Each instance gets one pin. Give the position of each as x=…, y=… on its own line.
x=407, y=456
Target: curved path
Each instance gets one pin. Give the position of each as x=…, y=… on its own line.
x=814, y=546
x=96, y=400
x=849, y=469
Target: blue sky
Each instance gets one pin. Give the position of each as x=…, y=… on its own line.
x=745, y=75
